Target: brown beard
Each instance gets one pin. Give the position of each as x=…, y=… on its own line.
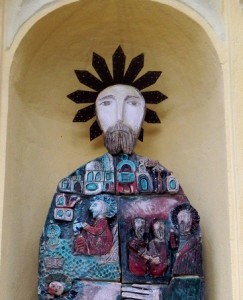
x=120, y=139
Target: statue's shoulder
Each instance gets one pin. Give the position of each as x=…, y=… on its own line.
x=120, y=174
x=162, y=179
x=89, y=178
x=150, y=164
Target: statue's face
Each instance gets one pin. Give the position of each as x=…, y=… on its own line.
x=139, y=227
x=97, y=208
x=158, y=229
x=55, y=288
x=184, y=221
x=120, y=111
x=120, y=103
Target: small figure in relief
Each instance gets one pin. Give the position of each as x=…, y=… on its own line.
x=189, y=255
x=55, y=288
x=138, y=249
x=157, y=250
x=95, y=238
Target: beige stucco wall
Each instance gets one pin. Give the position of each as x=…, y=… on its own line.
x=235, y=52
x=17, y=12
x=199, y=139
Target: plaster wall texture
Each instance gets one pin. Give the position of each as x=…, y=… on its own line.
x=200, y=138
x=19, y=11
x=235, y=47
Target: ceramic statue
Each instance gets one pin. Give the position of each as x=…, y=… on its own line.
x=120, y=226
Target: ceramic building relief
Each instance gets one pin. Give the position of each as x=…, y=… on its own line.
x=120, y=226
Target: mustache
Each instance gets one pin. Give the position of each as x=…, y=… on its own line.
x=120, y=138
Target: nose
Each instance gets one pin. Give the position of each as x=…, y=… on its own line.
x=120, y=109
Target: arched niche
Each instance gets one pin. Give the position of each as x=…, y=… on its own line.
x=43, y=145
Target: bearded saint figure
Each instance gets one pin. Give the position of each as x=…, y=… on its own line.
x=100, y=248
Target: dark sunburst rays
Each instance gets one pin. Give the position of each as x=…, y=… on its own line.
x=119, y=76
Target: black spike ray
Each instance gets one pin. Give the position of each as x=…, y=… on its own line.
x=94, y=130
x=119, y=60
x=151, y=116
x=133, y=69
x=154, y=97
x=83, y=96
x=85, y=114
x=140, y=137
x=146, y=80
x=90, y=80
x=101, y=68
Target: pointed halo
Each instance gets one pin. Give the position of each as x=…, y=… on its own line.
x=119, y=77
x=119, y=60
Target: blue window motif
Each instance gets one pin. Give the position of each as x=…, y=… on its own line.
x=68, y=213
x=144, y=184
x=126, y=177
x=60, y=213
x=97, y=176
x=90, y=176
x=92, y=186
x=65, y=184
x=173, y=184
x=60, y=201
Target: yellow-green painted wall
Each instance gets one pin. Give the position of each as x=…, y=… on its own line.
x=200, y=137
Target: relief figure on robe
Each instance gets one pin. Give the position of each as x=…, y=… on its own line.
x=95, y=238
x=189, y=256
x=157, y=250
x=138, y=249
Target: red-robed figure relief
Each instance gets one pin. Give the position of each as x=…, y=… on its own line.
x=138, y=249
x=157, y=250
x=96, y=238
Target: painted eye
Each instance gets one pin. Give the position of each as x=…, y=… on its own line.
x=106, y=103
x=132, y=102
